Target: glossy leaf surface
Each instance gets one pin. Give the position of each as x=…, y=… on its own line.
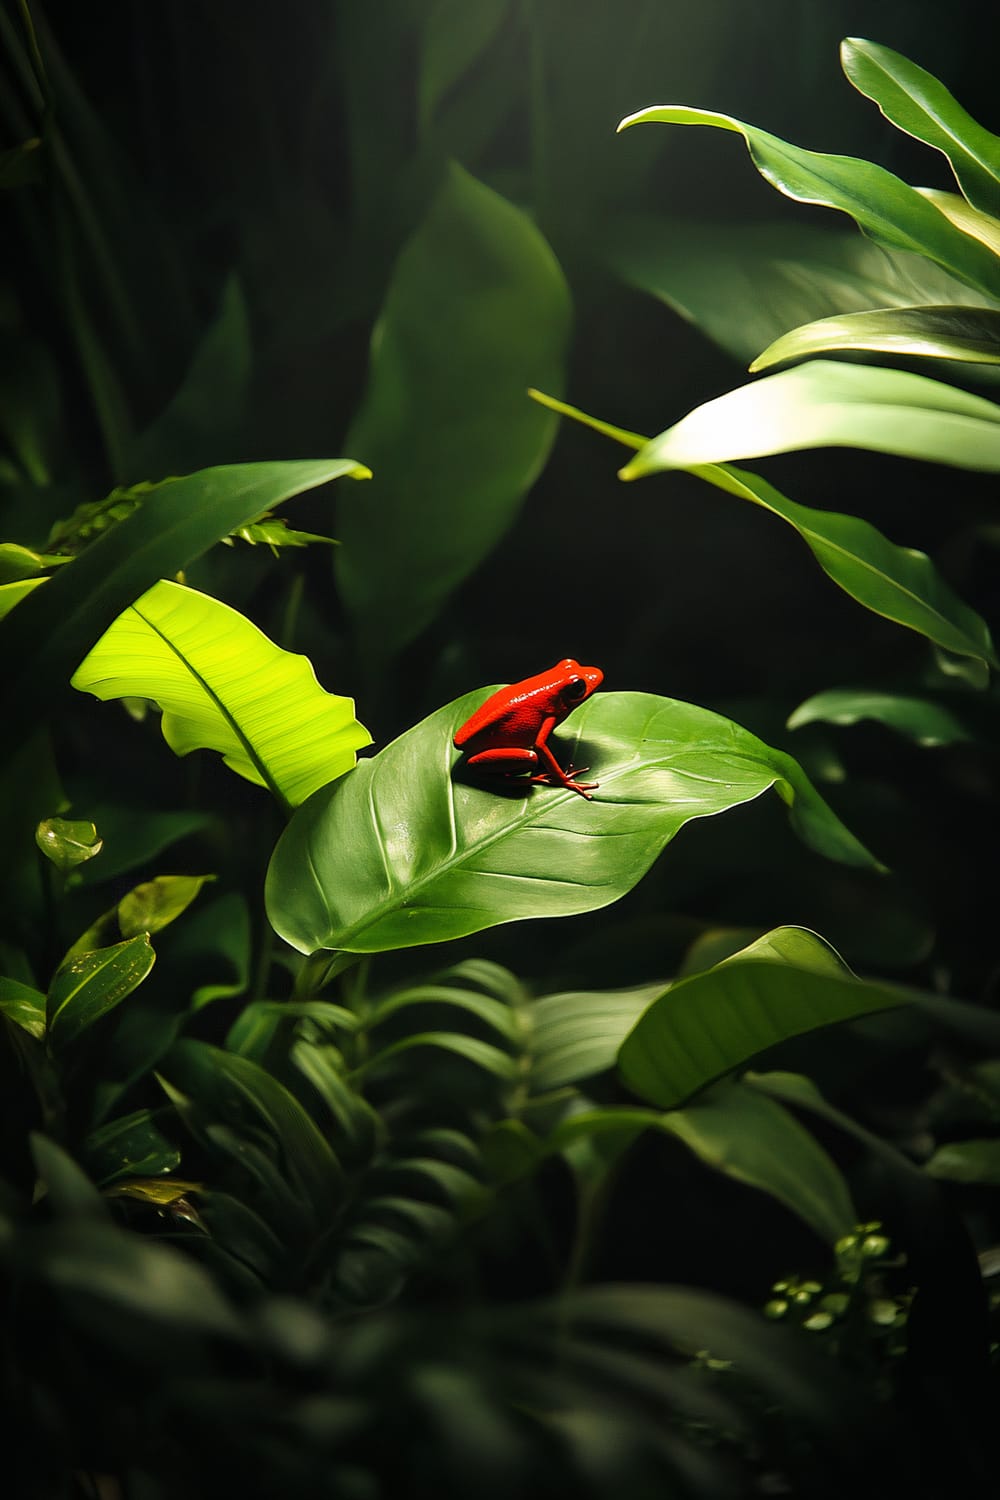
x=964, y=333
x=477, y=310
x=917, y=102
x=785, y=984
x=881, y=204
x=23, y=1005
x=91, y=984
x=824, y=404
x=404, y=852
x=224, y=686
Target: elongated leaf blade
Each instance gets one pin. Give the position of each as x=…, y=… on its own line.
x=44, y=640
x=404, y=851
x=920, y=719
x=23, y=1005
x=577, y=1034
x=91, y=984
x=915, y=101
x=881, y=204
x=477, y=310
x=824, y=404
x=224, y=686
x=749, y=284
x=965, y=333
x=785, y=984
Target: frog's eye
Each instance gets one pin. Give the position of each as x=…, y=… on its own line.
x=575, y=690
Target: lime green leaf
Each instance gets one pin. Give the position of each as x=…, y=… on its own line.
x=787, y=983
x=747, y=284
x=477, y=310
x=274, y=532
x=156, y=903
x=966, y=333
x=882, y=205
x=824, y=404
x=224, y=686
x=132, y=1146
x=47, y=637
x=68, y=842
x=23, y=1005
x=920, y=719
x=967, y=1161
x=897, y=582
x=577, y=1034
x=18, y=562
x=404, y=852
x=91, y=984
x=13, y=593
x=916, y=102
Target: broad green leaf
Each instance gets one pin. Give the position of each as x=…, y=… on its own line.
x=915, y=101
x=477, y=310
x=23, y=1005
x=224, y=686
x=897, y=582
x=967, y=1161
x=886, y=208
x=227, y=1087
x=156, y=903
x=825, y=404
x=920, y=719
x=68, y=842
x=406, y=851
x=131, y=1146
x=730, y=1132
x=577, y=1034
x=17, y=562
x=965, y=333
x=44, y=640
x=91, y=984
x=787, y=983
x=745, y=285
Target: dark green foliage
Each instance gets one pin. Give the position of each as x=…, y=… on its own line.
x=330, y=1163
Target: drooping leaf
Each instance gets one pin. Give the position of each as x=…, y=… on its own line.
x=44, y=640
x=897, y=582
x=493, y=1012
x=964, y=333
x=920, y=719
x=765, y=1148
x=785, y=984
x=91, y=984
x=752, y=283
x=823, y=404
x=224, y=686
x=577, y=1034
x=23, y=1005
x=405, y=852
x=476, y=311
x=915, y=101
x=881, y=204
x=68, y=842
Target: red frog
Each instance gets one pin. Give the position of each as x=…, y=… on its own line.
x=509, y=734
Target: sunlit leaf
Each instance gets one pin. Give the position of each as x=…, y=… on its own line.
x=91, y=984
x=224, y=686
x=881, y=204
x=964, y=333
x=404, y=851
x=915, y=101
x=17, y=562
x=971, y=221
x=785, y=984
x=826, y=404
x=477, y=310
x=44, y=640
